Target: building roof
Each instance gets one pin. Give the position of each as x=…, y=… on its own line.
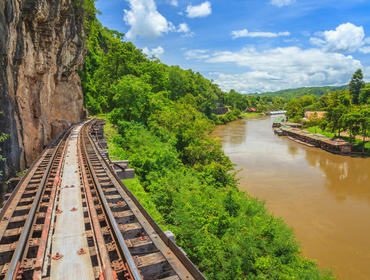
x=251, y=110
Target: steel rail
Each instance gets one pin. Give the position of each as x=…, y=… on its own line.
x=188, y=264
x=7, y=203
x=130, y=261
x=28, y=224
x=98, y=236
x=41, y=252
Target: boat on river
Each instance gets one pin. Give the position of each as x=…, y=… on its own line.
x=278, y=132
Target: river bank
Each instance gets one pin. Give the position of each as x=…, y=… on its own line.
x=324, y=197
x=225, y=232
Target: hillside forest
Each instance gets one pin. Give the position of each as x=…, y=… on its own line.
x=159, y=118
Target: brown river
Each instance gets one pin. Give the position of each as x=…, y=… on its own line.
x=324, y=197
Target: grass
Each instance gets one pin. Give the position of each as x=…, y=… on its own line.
x=111, y=134
x=356, y=143
x=251, y=115
x=318, y=130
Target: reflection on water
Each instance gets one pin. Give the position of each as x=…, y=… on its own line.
x=293, y=150
x=345, y=176
x=324, y=197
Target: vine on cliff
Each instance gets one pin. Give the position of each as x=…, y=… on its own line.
x=3, y=137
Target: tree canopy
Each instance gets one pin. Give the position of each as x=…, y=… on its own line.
x=355, y=86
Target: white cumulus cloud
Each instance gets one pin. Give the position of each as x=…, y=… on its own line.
x=365, y=50
x=279, y=68
x=201, y=10
x=281, y=3
x=317, y=41
x=197, y=54
x=245, y=33
x=174, y=3
x=145, y=20
x=153, y=52
x=183, y=28
x=346, y=37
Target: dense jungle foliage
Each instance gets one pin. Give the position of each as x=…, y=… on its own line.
x=159, y=118
x=299, y=92
x=113, y=63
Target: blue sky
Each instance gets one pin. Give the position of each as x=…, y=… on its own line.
x=250, y=45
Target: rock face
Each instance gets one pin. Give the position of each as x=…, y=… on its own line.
x=41, y=46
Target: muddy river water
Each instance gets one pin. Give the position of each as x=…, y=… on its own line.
x=324, y=197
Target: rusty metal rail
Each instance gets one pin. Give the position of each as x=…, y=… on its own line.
x=155, y=255
x=110, y=256
x=24, y=214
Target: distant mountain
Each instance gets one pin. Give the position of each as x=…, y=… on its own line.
x=298, y=92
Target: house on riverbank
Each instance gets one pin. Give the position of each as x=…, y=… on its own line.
x=250, y=110
x=310, y=114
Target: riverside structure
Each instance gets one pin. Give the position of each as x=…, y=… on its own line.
x=335, y=145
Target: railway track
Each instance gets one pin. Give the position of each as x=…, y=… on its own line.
x=107, y=234
x=26, y=214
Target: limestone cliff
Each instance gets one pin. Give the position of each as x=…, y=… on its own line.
x=41, y=46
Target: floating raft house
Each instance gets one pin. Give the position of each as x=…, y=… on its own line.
x=280, y=122
x=318, y=140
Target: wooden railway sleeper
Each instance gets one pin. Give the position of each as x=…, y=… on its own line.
x=95, y=219
x=113, y=246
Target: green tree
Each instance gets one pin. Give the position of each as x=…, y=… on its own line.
x=357, y=122
x=352, y=122
x=323, y=102
x=307, y=100
x=179, y=84
x=155, y=73
x=132, y=98
x=355, y=85
x=236, y=100
x=364, y=97
x=364, y=125
x=339, y=103
x=294, y=110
